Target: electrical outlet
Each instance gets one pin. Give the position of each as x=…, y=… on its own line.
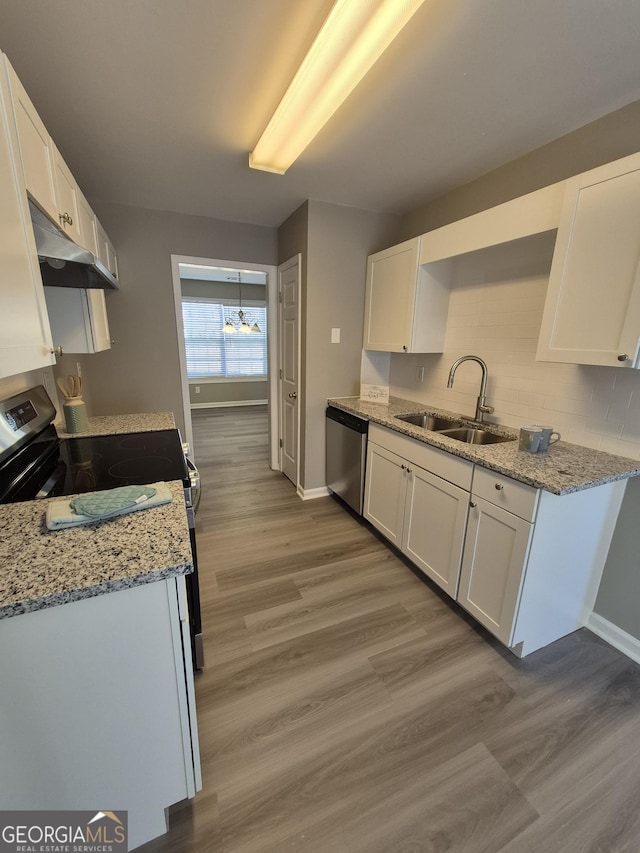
x=419, y=374
x=197, y=389
x=78, y=369
x=335, y=336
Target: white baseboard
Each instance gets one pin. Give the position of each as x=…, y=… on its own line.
x=311, y=494
x=227, y=404
x=616, y=637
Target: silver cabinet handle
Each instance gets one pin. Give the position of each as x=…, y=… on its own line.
x=65, y=219
x=623, y=357
x=473, y=504
x=293, y=395
x=56, y=351
x=498, y=487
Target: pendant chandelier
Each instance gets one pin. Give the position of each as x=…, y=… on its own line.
x=244, y=322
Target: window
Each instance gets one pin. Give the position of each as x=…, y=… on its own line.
x=212, y=353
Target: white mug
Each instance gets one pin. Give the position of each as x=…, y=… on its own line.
x=546, y=440
x=530, y=438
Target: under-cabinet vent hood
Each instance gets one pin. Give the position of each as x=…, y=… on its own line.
x=62, y=262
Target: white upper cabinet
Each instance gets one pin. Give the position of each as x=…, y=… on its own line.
x=106, y=253
x=25, y=337
x=35, y=147
x=78, y=319
x=406, y=305
x=592, y=310
x=87, y=222
x=67, y=193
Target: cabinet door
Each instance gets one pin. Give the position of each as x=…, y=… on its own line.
x=87, y=222
x=35, y=147
x=106, y=253
x=435, y=519
x=493, y=567
x=592, y=311
x=67, y=194
x=25, y=337
x=385, y=491
x=390, y=297
x=78, y=319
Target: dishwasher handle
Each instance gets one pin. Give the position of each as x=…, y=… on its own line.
x=348, y=420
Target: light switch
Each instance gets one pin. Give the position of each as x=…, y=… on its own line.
x=335, y=336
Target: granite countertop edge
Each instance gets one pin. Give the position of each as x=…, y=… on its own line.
x=82, y=593
x=563, y=469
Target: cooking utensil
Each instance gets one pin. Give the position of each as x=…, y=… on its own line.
x=63, y=387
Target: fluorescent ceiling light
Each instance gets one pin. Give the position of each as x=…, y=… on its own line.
x=354, y=36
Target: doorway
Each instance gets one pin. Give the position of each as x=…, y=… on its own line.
x=234, y=273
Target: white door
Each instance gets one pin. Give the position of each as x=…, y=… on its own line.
x=289, y=328
x=435, y=522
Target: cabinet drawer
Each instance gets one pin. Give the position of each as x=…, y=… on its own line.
x=505, y=492
x=439, y=462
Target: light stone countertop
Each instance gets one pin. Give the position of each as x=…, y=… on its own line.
x=562, y=469
x=42, y=568
x=115, y=424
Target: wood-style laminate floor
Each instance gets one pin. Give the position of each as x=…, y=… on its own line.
x=347, y=706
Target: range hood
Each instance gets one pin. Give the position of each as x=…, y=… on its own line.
x=62, y=262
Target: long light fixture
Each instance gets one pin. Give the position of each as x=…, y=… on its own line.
x=353, y=37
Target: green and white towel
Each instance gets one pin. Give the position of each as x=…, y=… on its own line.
x=111, y=503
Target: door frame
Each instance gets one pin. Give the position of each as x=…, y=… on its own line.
x=295, y=260
x=272, y=343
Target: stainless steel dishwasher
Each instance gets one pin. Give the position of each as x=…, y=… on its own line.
x=346, y=456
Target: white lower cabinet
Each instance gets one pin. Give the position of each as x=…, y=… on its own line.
x=99, y=706
x=524, y=562
x=420, y=512
x=495, y=557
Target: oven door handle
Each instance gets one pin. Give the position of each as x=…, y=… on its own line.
x=194, y=479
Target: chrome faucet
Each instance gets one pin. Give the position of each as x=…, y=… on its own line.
x=481, y=406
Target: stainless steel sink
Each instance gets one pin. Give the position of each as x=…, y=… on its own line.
x=427, y=421
x=470, y=434
x=474, y=435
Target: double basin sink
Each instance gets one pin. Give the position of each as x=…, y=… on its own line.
x=469, y=434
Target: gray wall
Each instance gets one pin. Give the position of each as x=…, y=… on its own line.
x=611, y=137
x=334, y=241
x=141, y=373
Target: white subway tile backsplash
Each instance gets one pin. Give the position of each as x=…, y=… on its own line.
x=499, y=319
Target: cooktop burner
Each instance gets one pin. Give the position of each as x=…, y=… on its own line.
x=92, y=463
x=107, y=461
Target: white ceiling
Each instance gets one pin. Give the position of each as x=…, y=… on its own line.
x=156, y=103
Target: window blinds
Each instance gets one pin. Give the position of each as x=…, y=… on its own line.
x=217, y=354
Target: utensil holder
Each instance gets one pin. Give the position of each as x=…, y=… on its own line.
x=75, y=415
